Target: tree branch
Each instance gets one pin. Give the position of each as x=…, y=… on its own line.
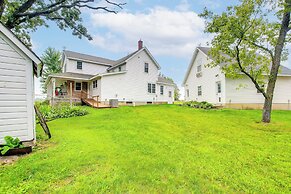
x=245, y=72
x=21, y=16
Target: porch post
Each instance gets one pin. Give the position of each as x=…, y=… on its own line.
x=71, y=93
x=54, y=89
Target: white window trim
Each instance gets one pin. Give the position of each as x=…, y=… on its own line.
x=200, y=91
x=147, y=68
x=152, y=88
x=161, y=90
x=81, y=64
x=96, y=81
x=76, y=86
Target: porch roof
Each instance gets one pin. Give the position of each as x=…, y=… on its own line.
x=72, y=76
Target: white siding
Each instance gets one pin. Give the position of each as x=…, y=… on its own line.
x=244, y=91
x=16, y=89
x=132, y=85
x=207, y=81
x=165, y=97
x=95, y=91
x=87, y=68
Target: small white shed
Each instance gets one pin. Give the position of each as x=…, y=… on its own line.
x=18, y=65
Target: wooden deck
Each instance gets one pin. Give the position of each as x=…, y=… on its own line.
x=93, y=103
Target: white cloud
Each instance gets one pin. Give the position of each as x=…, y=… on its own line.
x=164, y=31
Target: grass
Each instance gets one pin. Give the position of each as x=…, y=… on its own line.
x=158, y=149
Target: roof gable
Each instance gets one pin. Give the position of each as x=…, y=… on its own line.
x=148, y=53
x=37, y=63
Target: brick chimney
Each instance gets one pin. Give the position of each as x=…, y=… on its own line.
x=140, y=44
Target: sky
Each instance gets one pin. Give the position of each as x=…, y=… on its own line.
x=170, y=29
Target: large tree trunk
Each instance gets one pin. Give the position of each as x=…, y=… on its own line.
x=276, y=63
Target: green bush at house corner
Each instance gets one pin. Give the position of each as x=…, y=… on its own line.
x=201, y=105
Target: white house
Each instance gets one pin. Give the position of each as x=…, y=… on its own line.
x=18, y=65
x=203, y=83
x=133, y=79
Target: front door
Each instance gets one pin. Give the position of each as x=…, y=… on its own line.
x=85, y=88
x=218, y=93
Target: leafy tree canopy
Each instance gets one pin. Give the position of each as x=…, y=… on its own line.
x=25, y=16
x=52, y=64
x=250, y=39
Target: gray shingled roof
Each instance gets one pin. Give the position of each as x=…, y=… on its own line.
x=283, y=70
x=72, y=75
x=122, y=60
x=109, y=62
x=165, y=80
x=71, y=54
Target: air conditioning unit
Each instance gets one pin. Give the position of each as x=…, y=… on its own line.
x=199, y=74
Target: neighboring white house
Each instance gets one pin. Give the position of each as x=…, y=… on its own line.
x=134, y=79
x=18, y=65
x=203, y=83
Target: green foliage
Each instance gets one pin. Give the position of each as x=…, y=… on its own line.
x=52, y=64
x=63, y=110
x=201, y=105
x=158, y=149
x=10, y=144
x=26, y=16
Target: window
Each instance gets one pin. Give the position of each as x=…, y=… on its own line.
x=199, y=90
x=187, y=93
x=162, y=90
x=146, y=67
x=199, y=68
x=79, y=65
x=119, y=68
x=151, y=88
x=95, y=84
x=218, y=85
x=170, y=94
x=78, y=86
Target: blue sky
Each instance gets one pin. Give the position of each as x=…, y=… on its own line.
x=170, y=30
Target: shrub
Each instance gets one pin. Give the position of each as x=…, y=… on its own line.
x=61, y=111
x=10, y=144
x=201, y=105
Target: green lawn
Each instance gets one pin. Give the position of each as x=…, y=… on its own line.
x=158, y=149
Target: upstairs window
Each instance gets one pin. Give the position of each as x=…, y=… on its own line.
x=146, y=67
x=119, y=68
x=170, y=94
x=95, y=84
x=79, y=65
x=162, y=90
x=151, y=88
x=78, y=86
x=199, y=90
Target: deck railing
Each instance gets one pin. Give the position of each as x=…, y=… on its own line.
x=85, y=96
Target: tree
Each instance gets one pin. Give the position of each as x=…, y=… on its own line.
x=249, y=40
x=177, y=93
x=24, y=16
x=52, y=64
